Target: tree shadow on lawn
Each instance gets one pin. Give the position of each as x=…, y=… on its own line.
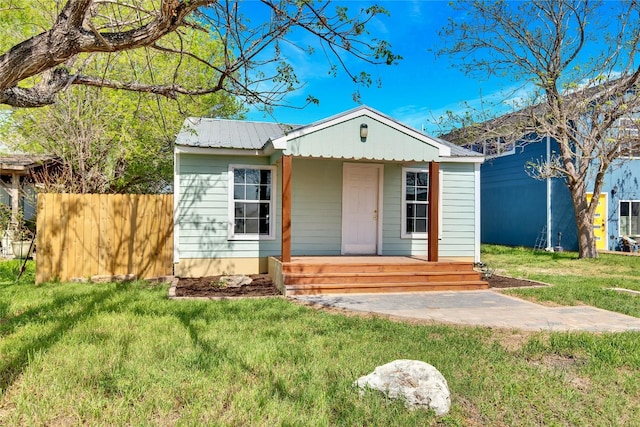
x=56, y=312
x=206, y=347
x=199, y=319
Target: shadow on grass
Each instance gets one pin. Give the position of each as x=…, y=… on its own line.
x=555, y=256
x=199, y=319
x=208, y=351
x=59, y=315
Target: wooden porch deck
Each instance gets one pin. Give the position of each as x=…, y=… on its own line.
x=308, y=275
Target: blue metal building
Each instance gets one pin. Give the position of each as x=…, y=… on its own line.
x=519, y=210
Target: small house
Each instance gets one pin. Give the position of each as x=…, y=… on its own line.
x=358, y=202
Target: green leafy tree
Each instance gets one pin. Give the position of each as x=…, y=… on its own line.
x=78, y=58
x=107, y=142
x=46, y=46
x=110, y=141
x=583, y=77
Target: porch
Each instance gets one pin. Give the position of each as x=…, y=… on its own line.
x=358, y=183
x=309, y=275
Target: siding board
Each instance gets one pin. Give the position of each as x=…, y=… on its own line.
x=316, y=209
x=203, y=209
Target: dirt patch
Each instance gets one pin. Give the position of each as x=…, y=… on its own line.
x=500, y=282
x=211, y=287
x=262, y=285
x=566, y=367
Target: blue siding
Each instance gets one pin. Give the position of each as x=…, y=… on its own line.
x=563, y=217
x=624, y=175
x=513, y=204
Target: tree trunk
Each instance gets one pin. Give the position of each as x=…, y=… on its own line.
x=586, y=239
x=584, y=223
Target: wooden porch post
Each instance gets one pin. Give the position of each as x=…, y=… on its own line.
x=286, y=208
x=433, y=226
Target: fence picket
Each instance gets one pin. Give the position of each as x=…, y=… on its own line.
x=82, y=235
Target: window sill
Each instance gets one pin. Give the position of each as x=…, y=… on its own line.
x=250, y=238
x=420, y=236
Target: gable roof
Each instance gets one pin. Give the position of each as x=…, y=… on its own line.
x=516, y=124
x=443, y=147
x=247, y=135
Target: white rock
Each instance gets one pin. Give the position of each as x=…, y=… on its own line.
x=235, y=281
x=419, y=384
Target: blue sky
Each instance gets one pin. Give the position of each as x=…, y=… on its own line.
x=415, y=91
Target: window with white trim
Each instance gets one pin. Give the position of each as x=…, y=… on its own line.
x=251, y=200
x=415, y=202
x=629, y=218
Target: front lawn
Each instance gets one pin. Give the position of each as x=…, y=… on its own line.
x=576, y=281
x=123, y=354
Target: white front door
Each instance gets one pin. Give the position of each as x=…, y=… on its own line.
x=360, y=208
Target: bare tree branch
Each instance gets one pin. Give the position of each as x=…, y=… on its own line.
x=239, y=47
x=580, y=102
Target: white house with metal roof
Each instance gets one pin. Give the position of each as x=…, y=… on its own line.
x=358, y=183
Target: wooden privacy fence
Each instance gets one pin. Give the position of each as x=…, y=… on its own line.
x=84, y=235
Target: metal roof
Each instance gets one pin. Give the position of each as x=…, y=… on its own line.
x=457, y=150
x=217, y=133
x=238, y=134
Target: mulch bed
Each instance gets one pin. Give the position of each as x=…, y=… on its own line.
x=509, y=282
x=262, y=285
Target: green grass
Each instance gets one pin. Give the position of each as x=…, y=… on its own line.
x=123, y=354
x=10, y=270
x=576, y=281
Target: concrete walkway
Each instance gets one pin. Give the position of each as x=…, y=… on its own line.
x=482, y=308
